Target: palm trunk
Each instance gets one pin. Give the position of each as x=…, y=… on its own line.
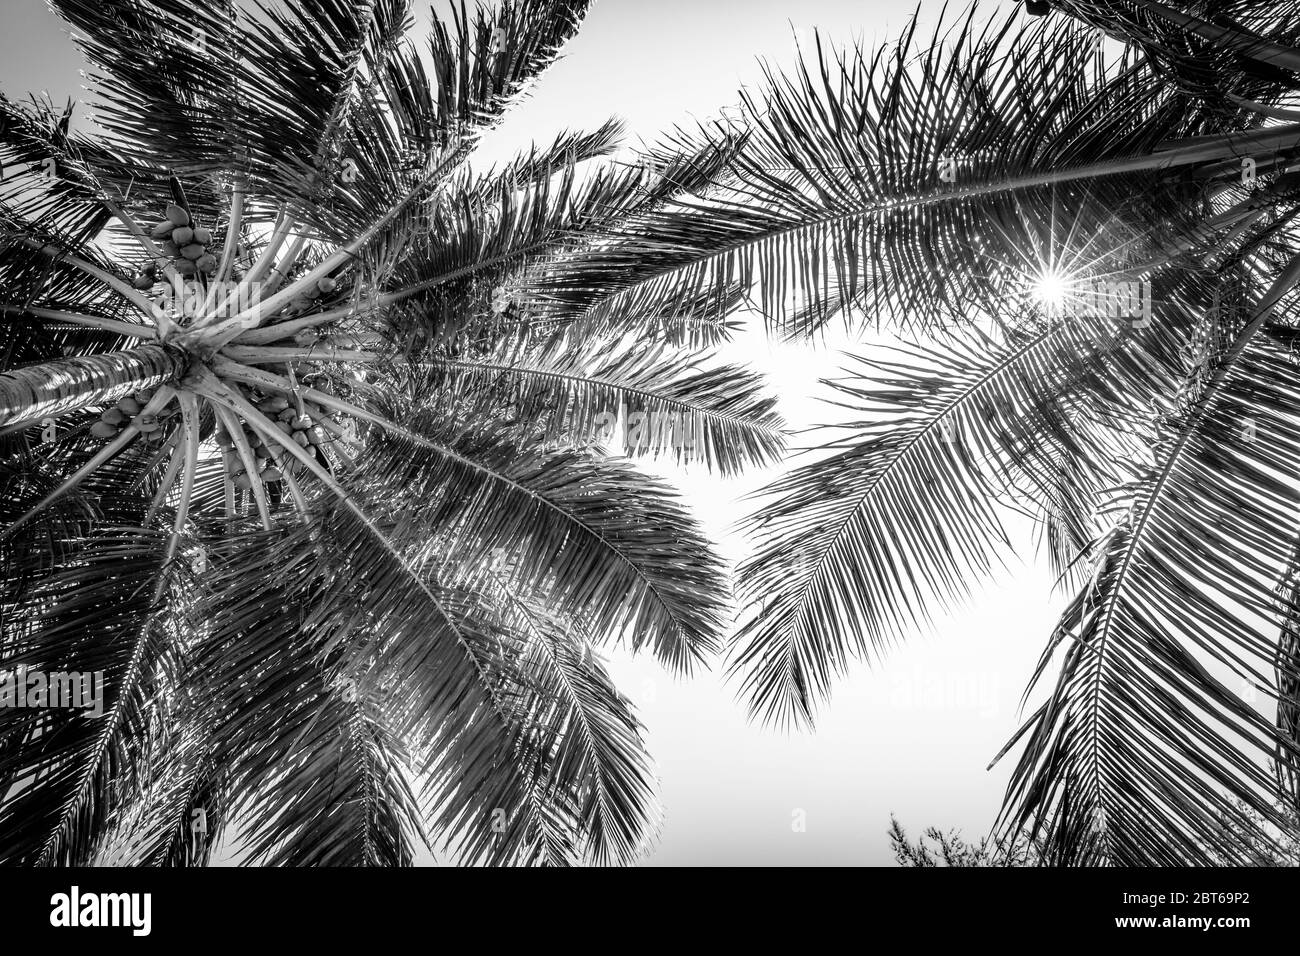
x=56, y=388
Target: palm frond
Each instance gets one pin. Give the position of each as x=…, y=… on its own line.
x=600, y=537
x=1165, y=648
x=60, y=767
x=869, y=181
x=574, y=393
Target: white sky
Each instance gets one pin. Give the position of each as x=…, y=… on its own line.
x=912, y=737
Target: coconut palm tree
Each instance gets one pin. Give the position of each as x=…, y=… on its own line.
x=299, y=461
x=1083, y=229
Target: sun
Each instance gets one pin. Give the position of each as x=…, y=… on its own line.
x=1050, y=289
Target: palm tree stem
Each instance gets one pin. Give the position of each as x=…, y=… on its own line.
x=227, y=486
x=65, y=385
x=130, y=329
x=190, y=447
x=169, y=476
x=299, y=500
x=256, y=355
x=234, y=227
x=245, y=453
x=287, y=261
x=1263, y=109
x=283, y=330
x=130, y=294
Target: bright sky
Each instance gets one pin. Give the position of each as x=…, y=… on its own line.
x=911, y=737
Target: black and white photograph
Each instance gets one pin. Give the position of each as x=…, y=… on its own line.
x=653, y=435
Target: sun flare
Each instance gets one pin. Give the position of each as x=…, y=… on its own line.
x=1050, y=289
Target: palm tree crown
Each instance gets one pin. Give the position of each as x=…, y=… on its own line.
x=296, y=459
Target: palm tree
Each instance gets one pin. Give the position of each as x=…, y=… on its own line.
x=1091, y=258
x=298, y=458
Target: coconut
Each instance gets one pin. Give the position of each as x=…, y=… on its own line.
x=128, y=406
x=142, y=395
x=112, y=416
x=162, y=230
x=203, y=235
x=276, y=404
x=186, y=268
x=206, y=263
x=301, y=423
x=177, y=215
x=287, y=413
x=301, y=439
x=243, y=481
x=182, y=235
x=284, y=427
x=271, y=474
x=147, y=427
x=143, y=281
x=326, y=285
x=170, y=249
x=315, y=435
x=193, y=251
x=103, y=430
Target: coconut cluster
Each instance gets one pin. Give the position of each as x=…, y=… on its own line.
x=128, y=411
x=184, y=247
x=298, y=422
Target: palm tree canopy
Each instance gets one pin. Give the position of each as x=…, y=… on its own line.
x=379, y=631
x=297, y=458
